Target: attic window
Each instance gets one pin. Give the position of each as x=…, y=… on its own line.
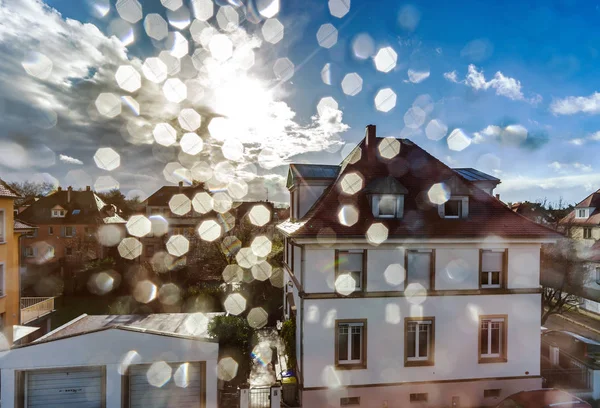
x=75, y=212
x=58, y=213
x=388, y=205
x=456, y=207
x=581, y=213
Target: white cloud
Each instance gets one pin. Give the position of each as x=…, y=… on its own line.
x=577, y=141
x=68, y=159
x=556, y=166
x=549, y=183
x=566, y=167
x=582, y=167
x=451, y=76
x=489, y=132
x=504, y=86
x=576, y=104
x=595, y=136
x=84, y=62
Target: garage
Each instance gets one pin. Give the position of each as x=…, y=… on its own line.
x=164, y=385
x=70, y=387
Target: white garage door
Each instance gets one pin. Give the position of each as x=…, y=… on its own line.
x=165, y=385
x=77, y=387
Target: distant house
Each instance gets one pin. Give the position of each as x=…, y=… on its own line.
x=583, y=223
x=533, y=211
x=11, y=232
x=69, y=223
x=409, y=284
x=132, y=361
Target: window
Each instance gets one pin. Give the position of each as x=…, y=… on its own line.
x=419, y=341
x=87, y=231
x=598, y=275
x=69, y=231
x=587, y=233
x=76, y=212
x=2, y=280
x=68, y=251
x=418, y=397
x=149, y=250
x=388, y=206
x=349, y=401
x=492, y=339
x=29, y=252
x=452, y=209
x=351, y=344
x=420, y=266
x=2, y=226
x=350, y=266
x=492, y=272
x=581, y=213
x=492, y=393
x=58, y=213
x=456, y=207
x=50, y=230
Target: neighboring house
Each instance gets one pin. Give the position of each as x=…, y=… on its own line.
x=173, y=209
x=131, y=361
x=583, y=223
x=408, y=283
x=533, y=211
x=69, y=223
x=11, y=232
x=571, y=362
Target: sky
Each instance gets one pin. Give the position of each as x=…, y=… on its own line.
x=106, y=93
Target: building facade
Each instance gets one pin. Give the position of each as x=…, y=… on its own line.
x=410, y=284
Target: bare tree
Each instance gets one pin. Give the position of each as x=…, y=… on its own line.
x=562, y=277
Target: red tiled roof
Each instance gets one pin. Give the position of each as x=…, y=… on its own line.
x=7, y=191
x=416, y=170
x=21, y=225
x=593, y=200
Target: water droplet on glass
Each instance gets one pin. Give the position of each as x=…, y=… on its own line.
x=352, y=84
x=458, y=140
x=385, y=100
x=327, y=35
x=386, y=59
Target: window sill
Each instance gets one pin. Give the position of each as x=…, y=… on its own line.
x=417, y=363
x=351, y=366
x=483, y=360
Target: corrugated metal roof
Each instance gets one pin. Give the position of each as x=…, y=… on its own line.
x=475, y=175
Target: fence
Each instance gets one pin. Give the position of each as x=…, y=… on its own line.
x=35, y=307
x=565, y=371
x=260, y=397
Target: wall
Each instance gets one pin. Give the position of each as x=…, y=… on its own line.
x=456, y=265
x=59, y=242
x=576, y=232
x=108, y=347
x=456, y=334
x=9, y=256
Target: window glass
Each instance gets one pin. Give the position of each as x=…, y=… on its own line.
x=387, y=205
x=452, y=208
x=419, y=268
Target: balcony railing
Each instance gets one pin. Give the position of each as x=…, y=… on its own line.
x=35, y=307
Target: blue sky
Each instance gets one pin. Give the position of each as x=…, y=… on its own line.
x=518, y=80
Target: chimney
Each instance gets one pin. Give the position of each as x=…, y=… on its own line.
x=180, y=186
x=371, y=141
x=69, y=194
x=59, y=188
x=497, y=196
x=88, y=188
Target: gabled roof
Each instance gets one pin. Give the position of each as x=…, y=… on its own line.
x=417, y=171
x=385, y=185
x=7, y=191
x=311, y=172
x=183, y=325
x=475, y=175
x=84, y=207
x=162, y=196
x=593, y=200
x=21, y=226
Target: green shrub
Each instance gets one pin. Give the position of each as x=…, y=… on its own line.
x=288, y=335
x=231, y=331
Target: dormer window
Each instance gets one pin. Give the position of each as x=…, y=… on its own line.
x=386, y=196
x=58, y=212
x=388, y=205
x=582, y=213
x=456, y=207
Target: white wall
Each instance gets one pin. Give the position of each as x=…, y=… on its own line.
x=108, y=347
x=456, y=333
x=298, y=263
x=457, y=266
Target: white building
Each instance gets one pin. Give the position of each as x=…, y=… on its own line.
x=160, y=360
x=409, y=284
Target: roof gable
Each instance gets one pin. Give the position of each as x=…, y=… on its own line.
x=7, y=191
x=417, y=171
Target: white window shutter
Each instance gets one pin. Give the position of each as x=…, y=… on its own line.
x=465, y=207
x=400, y=206
x=375, y=205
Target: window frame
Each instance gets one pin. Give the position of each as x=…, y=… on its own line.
x=502, y=356
x=431, y=251
x=68, y=251
x=587, y=233
x=398, y=208
x=72, y=231
x=2, y=279
x=363, y=280
x=58, y=213
x=50, y=230
x=583, y=211
x=360, y=365
x=597, y=275
x=459, y=201
x=503, y=273
x=418, y=397
x=27, y=254
x=417, y=361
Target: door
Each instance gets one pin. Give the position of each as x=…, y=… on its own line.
x=166, y=385
x=75, y=387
